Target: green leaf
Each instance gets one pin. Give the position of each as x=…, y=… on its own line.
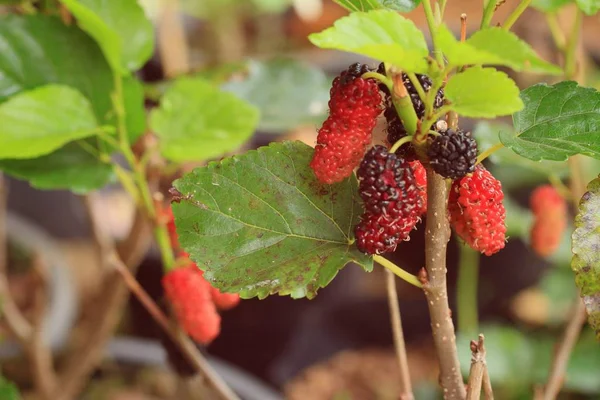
x=557, y=122
x=381, y=34
x=261, y=223
x=40, y=121
x=483, y=93
x=70, y=167
x=287, y=92
x=590, y=7
x=69, y=57
x=121, y=29
x=197, y=121
x=135, y=111
x=8, y=391
x=493, y=46
x=550, y=5
x=586, y=258
x=367, y=5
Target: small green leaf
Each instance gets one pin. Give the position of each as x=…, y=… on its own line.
x=590, y=7
x=381, y=34
x=69, y=57
x=549, y=5
x=40, y=121
x=8, y=391
x=367, y=5
x=197, y=121
x=261, y=223
x=557, y=122
x=120, y=28
x=483, y=93
x=135, y=111
x=287, y=92
x=70, y=167
x=586, y=257
x=493, y=46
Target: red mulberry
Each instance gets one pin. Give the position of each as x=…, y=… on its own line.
x=550, y=212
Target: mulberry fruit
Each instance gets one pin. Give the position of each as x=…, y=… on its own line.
x=421, y=182
x=224, y=301
x=354, y=106
x=476, y=211
x=190, y=297
x=388, y=186
x=453, y=154
x=550, y=212
x=377, y=234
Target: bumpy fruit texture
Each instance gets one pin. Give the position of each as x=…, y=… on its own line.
x=190, y=297
x=421, y=182
x=476, y=211
x=453, y=154
x=354, y=106
x=392, y=198
x=550, y=212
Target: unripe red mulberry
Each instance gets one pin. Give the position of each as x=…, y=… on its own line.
x=377, y=234
x=354, y=106
x=550, y=212
x=190, y=297
x=421, y=182
x=224, y=301
x=476, y=211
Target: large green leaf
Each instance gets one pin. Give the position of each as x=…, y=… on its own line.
x=367, y=5
x=493, y=46
x=288, y=93
x=550, y=5
x=586, y=257
x=381, y=34
x=42, y=120
x=590, y=7
x=8, y=391
x=558, y=121
x=261, y=223
x=483, y=93
x=198, y=121
x=121, y=29
x=38, y=50
x=70, y=167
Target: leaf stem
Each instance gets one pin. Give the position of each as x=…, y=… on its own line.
x=399, y=272
x=403, y=104
x=380, y=77
x=571, y=49
x=400, y=142
x=488, y=13
x=557, y=34
x=466, y=289
x=514, y=16
x=489, y=152
x=432, y=29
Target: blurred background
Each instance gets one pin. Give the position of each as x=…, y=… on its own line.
x=339, y=345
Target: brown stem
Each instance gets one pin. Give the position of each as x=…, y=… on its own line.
x=173, y=47
x=188, y=348
x=478, y=369
x=437, y=234
x=406, y=392
x=487, y=384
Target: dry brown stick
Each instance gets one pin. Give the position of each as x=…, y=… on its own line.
x=477, y=368
x=406, y=392
x=437, y=235
x=187, y=347
x=173, y=47
x=487, y=384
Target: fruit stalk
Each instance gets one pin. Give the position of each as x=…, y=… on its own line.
x=437, y=235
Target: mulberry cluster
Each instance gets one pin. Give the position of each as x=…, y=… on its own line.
x=392, y=198
x=476, y=211
x=193, y=300
x=354, y=106
x=453, y=153
x=550, y=211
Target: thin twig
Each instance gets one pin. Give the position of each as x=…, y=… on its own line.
x=487, y=384
x=477, y=368
x=437, y=234
x=514, y=16
x=188, y=348
x=406, y=392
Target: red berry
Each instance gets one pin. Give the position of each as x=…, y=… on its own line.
x=421, y=181
x=168, y=219
x=190, y=296
x=354, y=106
x=550, y=212
x=476, y=211
x=224, y=301
x=377, y=234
